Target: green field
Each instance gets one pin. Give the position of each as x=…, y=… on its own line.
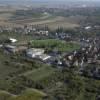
x=59, y=45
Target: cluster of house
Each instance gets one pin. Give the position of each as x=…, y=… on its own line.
x=84, y=56
x=63, y=36
x=41, y=32
x=27, y=29
x=77, y=58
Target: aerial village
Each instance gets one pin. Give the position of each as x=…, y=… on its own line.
x=49, y=53
x=88, y=53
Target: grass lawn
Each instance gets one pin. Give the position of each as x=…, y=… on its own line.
x=61, y=46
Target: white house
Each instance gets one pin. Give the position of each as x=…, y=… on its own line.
x=88, y=27
x=13, y=40
x=34, y=52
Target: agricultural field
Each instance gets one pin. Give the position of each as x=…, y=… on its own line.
x=16, y=18
x=52, y=21
x=6, y=13
x=55, y=22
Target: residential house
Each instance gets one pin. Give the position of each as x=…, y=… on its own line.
x=12, y=40
x=32, y=53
